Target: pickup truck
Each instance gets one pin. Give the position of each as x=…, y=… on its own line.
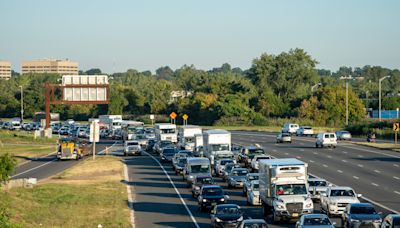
x=336, y=198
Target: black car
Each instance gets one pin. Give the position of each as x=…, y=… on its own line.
x=150, y=144
x=210, y=196
x=361, y=214
x=226, y=215
x=199, y=182
x=167, y=153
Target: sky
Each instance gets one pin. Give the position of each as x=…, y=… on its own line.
x=144, y=35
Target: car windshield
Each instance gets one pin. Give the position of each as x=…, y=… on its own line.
x=165, y=143
x=168, y=131
x=205, y=180
x=132, y=144
x=291, y=189
x=212, y=192
x=182, y=162
x=140, y=137
x=261, y=158
x=228, y=210
x=224, y=162
x=362, y=210
x=169, y=151
x=317, y=183
x=255, y=225
x=316, y=221
x=239, y=172
x=256, y=187
x=200, y=168
x=229, y=166
x=255, y=151
x=396, y=222
x=219, y=147
x=253, y=177
x=341, y=192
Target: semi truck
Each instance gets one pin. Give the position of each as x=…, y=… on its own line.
x=73, y=149
x=284, y=188
x=166, y=131
x=217, y=145
x=186, y=136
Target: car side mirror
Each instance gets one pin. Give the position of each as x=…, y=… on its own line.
x=359, y=195
x=334, y=223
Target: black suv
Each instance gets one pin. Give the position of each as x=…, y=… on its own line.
x=210, y=196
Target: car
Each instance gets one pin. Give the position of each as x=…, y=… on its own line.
x=326, y=139
x=228, y=169
x=149, y=132
x=253, y=193
x=305, y=131
x=220, y=165
x=132, y=147
x=343, y=135
x=391, y=221
x=248, y=153
x=141, y=138
x=226, y=215
x=210, y=196
x=247, y=183
x=316, y=187
x=237, y=177
x=361, y=215
x=290, y=128
x=167, y=153
x=336, y=198
x=104, y=133
x=253, y=223
x=64, y=130
x=283, y=138
x=255, y=161
x=180, y=154
x=150, y=144
x=236, y=149
x=159, y=145
x=179, y=166
x=81, y=132
x=199, y=182
x=315, y=220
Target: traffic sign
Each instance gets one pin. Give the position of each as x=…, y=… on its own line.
x=152, y=117
x=172, y=115
x=396, y=127
x=185, y=117
x=94, y=132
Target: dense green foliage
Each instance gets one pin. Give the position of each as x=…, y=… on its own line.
x=274, y=86
x=7, y=166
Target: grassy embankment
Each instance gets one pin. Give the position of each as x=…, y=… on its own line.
x=23, y=146
x=85, y=195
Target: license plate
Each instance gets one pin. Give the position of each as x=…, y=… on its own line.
x=295, y=214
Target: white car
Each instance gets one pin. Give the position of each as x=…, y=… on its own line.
x=335, y=200
x=343, y=135
x=249, y=178
x=253, y=193
x=290, y=128
x=256, y=159
x=220, y=165
x=317, y=186
x=326, y=139
x=132, y=147
x=283, y=137
x=315, y=220
x=305, y=131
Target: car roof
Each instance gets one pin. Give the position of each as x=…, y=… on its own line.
x=315, y=216
x=253, y=174
x=254, y=220
x=341, y=188
x=316, y=179
x=361, y=205
x=255, y=181
x=212, y=186
x=228, y=205
x=239, y=169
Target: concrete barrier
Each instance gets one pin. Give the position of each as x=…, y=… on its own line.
x=19, y=183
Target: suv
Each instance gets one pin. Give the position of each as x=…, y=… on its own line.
x=210, y=196
x=343, y=135
x=290, y=128
x=336, y=198
x=304, y=131
x=326, y=139
x=361, y=215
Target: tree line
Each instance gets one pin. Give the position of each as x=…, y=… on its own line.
x=275, y=86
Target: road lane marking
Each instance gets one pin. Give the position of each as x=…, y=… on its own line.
x=359, y=165
x=397, y=192
x=371, y=151
x=286, y=153
x=344, y=161
x=397, y=178
x=344, y=152
x=377, y=171
x=131, y=199
x=315, y=153
x=34, y=168
x=324, y=165
x=176, y=190
x=356, y=177
x=395, y=165
x=311, y=161
x=298, y=157
x=374, y=184
x=329, y=156
x=302, y=150
x=340, y=171
x=274, y=150
x=360, y=156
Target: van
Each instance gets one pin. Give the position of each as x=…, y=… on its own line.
x=195, y=167
x=290, y=128
x=326, y=139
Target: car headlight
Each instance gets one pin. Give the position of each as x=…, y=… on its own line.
x=218, y=220
x=222, y=199
x=191, y=177
x=280, y=206
x=204, y=200
x=378, y=221
x=240, y=219
x=197, y=188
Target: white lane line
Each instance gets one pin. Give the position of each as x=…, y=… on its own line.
x=109, y=148
x=324, y=165
x=302, y=150
x=374, y=184
x=397, y=178
x=397, y=192
x=131, y=197
x=274, y=150
x=329, y=156
x=360, y=156
x=298, y=157
x=176, y=190
x=315, y=153
x=356, y=177
x=371, y=151
x=359, y=165
x=395, y=165
x=286, y=153
x=344, y=152
x=377, y=171
x=311, y=161
x=37, y=167
x=340, y=171
x=344, y=161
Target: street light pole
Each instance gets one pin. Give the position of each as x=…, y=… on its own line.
x=22, y=104
x=380, y=96
x=347, y=78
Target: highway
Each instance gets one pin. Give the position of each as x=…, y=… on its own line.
x=47, y=166
x=162, y=199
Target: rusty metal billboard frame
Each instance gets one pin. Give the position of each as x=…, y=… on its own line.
x=50, y=98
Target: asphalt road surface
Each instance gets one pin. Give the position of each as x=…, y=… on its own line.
x=44, y=167
x=162, y=199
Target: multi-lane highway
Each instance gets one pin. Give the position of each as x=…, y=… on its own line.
x=162, y=199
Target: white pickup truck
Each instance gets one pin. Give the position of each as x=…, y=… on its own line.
x=336, y=198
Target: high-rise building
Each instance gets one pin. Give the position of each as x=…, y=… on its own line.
x=5, y=70
x=64, y=67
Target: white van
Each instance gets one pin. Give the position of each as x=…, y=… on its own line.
x=195, y=167
x=290, y=128
x=326, y=139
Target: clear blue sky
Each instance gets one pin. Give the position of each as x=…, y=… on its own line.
x=144, y=35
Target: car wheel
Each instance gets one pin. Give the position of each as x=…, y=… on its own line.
x=316, y=145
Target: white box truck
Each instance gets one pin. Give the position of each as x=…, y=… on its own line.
x=217, y=145
x=166, y=131
x=186, y=136
x=284, y=188
x=198, y=145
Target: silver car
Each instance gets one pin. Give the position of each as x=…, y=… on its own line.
x=314, y=221
x=284, y=138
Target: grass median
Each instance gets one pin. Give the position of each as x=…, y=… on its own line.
x=85, y=195
x=383, y=146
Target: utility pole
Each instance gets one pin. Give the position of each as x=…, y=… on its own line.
x=22, y=104
x=380, y=96
x=347, y=78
